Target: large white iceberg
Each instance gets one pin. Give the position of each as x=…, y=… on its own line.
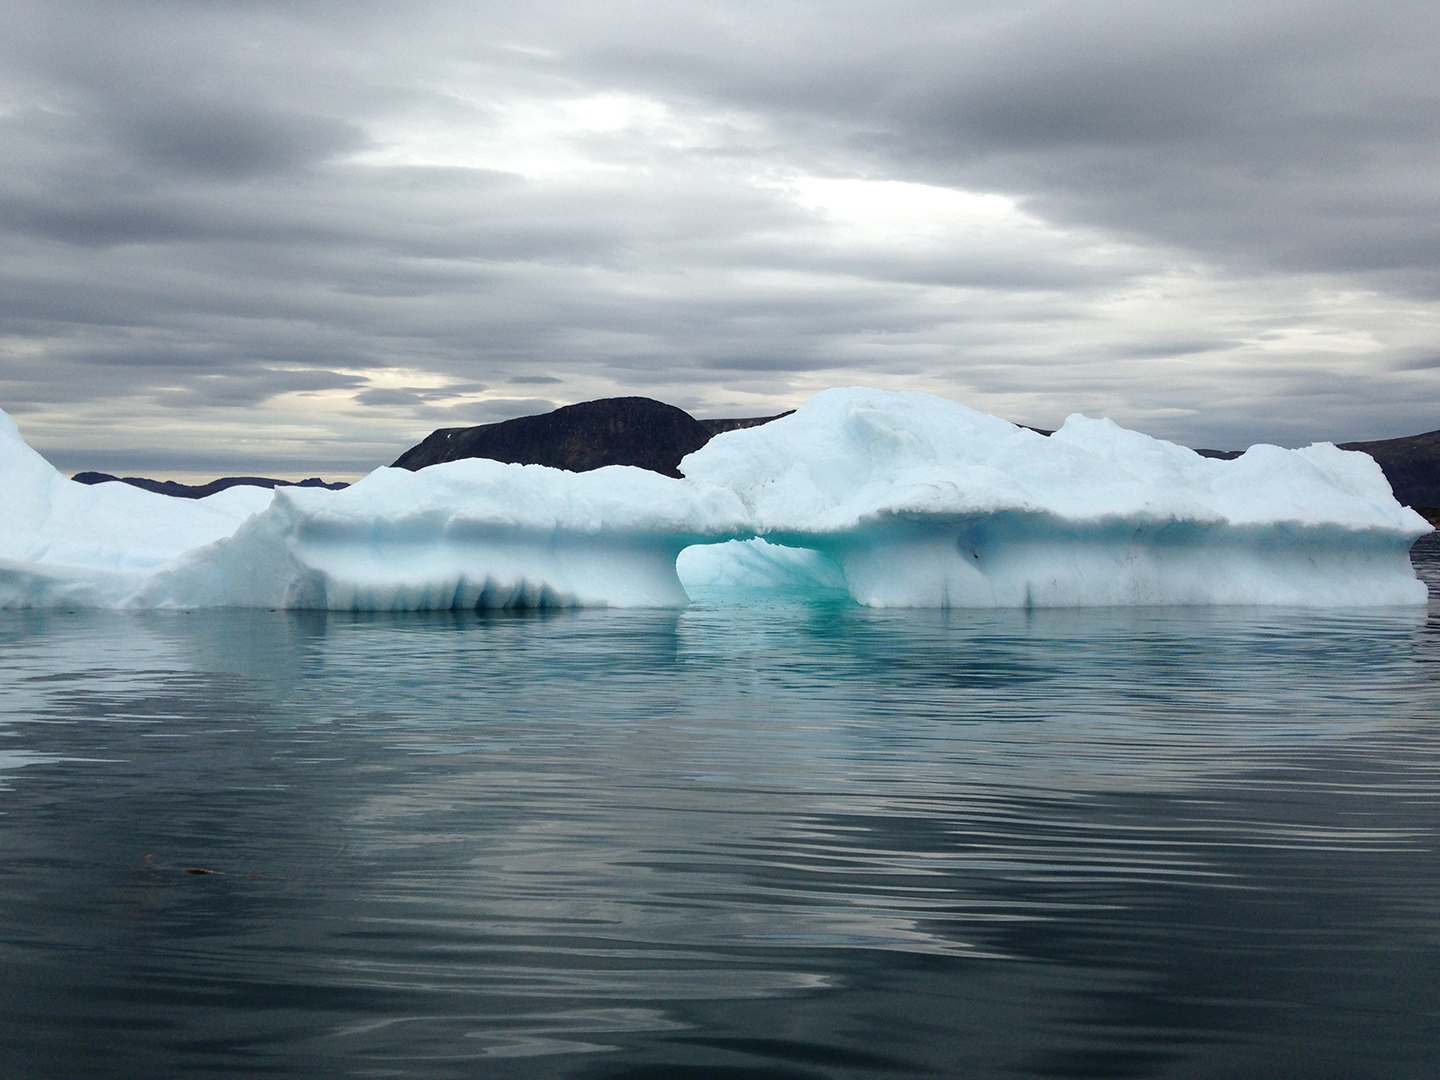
x=901, y=499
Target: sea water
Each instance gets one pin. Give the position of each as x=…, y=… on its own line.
x=772, y=838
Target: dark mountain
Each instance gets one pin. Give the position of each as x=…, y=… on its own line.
x=611, y=431
x=199, y=491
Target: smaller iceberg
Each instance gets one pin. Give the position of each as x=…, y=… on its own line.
x=902, y=500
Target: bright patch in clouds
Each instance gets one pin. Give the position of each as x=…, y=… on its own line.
x=531, y=137
x=881, y=210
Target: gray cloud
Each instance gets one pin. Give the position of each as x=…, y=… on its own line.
x=1216, y=223
x=229, y=142
x=1291, y=135
x=1429, y=362
x=254, y=387
x=1165, y=348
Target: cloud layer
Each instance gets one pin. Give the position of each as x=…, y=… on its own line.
x=299, y=236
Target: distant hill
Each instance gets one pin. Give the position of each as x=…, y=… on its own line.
x=1223, y=455
x=635, y=431
x=199, y=491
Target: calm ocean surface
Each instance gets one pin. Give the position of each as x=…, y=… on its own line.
x=788, y=840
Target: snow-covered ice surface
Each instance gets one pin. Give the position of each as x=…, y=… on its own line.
x=899, y=499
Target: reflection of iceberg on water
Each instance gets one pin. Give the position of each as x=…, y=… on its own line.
x=901, y=499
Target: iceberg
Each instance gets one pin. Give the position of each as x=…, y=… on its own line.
x=898, y=499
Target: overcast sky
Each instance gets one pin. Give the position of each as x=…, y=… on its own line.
x=294, y=238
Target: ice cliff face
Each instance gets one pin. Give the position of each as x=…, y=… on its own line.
x=901, y=499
